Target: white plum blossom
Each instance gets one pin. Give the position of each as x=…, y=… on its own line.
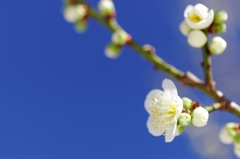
x=198, y=16
x=164, y=108
x=197, y=38
x=217, y=45
x=200, y=117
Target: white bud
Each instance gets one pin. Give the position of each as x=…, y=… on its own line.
x=217, y=45
x=184, y=28
x=106, y=7
x=184, y=119
x=112, y=51
x=197, y=38
x=200, y=117
x=73, y=13
x=236, y=152
x=120, y=37
x=224, y=136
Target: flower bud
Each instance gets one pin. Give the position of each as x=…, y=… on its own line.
x=120, y=37
x=149, y=48
x=179, y=131
x=225, y=137
x=184, y=119
x=200, y=117
x=217, y=45
x=72, y=13
x=187, y=103
x=220, y=16
x=106, y=7
x=197, y=38
x=112, y=51
x=218, y=28
x=184, y=28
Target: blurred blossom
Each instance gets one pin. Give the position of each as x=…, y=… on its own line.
x=198, y=16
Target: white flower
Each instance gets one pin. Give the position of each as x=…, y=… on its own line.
x=184, y=28
x=236, y=152
x=106, y=7
x=73, y=13
x=200, y=117
x=217, y=45
x=224, y=136
x=164, y=108
x=198, y=16
x=197, y=38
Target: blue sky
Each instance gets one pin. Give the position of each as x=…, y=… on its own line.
x=61, y=98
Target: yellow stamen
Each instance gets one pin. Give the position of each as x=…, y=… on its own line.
x=195, y=18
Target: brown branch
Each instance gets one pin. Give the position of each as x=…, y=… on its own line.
x=186, y=78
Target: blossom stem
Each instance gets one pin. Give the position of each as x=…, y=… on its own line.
x=207, y=63
x=186, y=78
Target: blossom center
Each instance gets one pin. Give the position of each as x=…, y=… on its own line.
x=195, y=18
x=163, y=116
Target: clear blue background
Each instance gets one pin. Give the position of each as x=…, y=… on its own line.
x=61, y=98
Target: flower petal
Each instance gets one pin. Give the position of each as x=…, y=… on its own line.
x=201, y=7
x=168, y=84
x=153, y=93
x=187, y=10
x=147, y=104
x=170, y=134
x=152, y=130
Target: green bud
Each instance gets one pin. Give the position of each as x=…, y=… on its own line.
x=112, y=51
x=184, y=119
x=233, y=133
x=220, y=16
x=81, y=26
x=219, y=28
x=230, y=125
x=180, y=129
x=187, y=103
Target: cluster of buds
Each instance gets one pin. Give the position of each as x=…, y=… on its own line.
x=199, y=20
x=77, y=14
x=169, y=114
x=192, y=114
x=230, y=134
